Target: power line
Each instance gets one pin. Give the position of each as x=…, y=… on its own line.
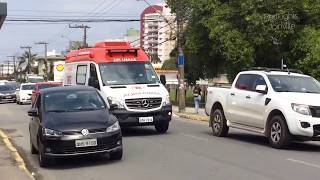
x=70, y=20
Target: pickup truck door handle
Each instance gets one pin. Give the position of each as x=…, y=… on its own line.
x=232, y=94
x=248, y=97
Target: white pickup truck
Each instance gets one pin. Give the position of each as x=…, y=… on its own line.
x=281, y=105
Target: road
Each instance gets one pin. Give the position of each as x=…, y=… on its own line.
x=187, y=152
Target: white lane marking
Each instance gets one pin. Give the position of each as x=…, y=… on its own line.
x=194, y=137
x=304, y=163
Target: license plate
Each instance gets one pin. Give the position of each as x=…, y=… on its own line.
x=145, y=119
x=86, y=143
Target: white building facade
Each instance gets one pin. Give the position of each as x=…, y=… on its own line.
x=6, y=70
x=158, y=31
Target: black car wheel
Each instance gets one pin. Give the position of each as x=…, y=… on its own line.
x=43, y=160
x=278, y=132
x=218, y=123
x=32, y=148
x=116, y=155
x=162, y=127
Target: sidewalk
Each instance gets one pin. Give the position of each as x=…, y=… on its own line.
x=12, y=165
x=9, y=169
x=190, y=113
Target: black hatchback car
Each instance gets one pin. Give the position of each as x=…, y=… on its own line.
x=7, y=93
x=70, y=121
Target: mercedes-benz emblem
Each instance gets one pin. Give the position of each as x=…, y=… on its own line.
x=145, y=103
x=85, y=132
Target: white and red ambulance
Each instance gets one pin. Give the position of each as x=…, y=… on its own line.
x=125, y=76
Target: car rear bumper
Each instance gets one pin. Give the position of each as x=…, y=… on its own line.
x=65, y=146
x=7, y=98
x=129, y=118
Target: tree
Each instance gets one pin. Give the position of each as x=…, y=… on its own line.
x=154, y=58
x=234, y=35
x=170, y=64
x=25, y=58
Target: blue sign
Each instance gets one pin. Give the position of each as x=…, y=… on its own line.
x=181, y=60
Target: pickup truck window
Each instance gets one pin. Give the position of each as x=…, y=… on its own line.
x=249, y=82
x=288, y=83
x=244, y=81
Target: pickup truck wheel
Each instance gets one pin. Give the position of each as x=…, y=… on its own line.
x=219, y=124
x=278, y=132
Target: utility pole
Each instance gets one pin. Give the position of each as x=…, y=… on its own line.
x=1, y=70
x=84, y=27
x=8, y=73
x=182, y=95
x=29, y=51
x=47, y=74
x=14, y=65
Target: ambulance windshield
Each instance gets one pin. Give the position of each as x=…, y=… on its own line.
x=126, y=73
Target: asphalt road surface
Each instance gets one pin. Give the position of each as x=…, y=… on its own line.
x=187, y=152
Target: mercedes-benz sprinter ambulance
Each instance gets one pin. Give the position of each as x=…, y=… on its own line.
x=125, y=76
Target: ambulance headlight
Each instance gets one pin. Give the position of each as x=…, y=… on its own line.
x=114, y=100
x=166, y=101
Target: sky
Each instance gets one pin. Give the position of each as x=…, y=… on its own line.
x=16, y=34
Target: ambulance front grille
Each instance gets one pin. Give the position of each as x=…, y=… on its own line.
x=143, y=103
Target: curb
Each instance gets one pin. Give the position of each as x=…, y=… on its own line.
x=15, y=154
x=193, y=117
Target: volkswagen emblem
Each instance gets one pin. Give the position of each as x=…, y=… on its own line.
x=145, y=103
x=85, y=132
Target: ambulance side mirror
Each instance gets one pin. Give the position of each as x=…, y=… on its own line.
x=163, y=79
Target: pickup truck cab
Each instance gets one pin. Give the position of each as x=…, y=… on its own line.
x=281, y=105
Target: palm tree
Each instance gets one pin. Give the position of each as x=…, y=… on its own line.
x=25, y=58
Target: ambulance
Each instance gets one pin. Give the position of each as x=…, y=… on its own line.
x=127, y=80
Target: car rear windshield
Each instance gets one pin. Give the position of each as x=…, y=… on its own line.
x=290, y=83
x=45, y=86
x=77, y=100
x=6, y=88
x=28, y=87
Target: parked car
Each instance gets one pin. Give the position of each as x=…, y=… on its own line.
x=43, y=85
x=24, y=93
x=7, y=93
x=3, y=82
x=283, y=106
x=15, y=84
x=71, y=121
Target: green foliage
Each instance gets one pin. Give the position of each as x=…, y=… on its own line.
x=307, y=48
x=154, y=58
x=25, y=58
x=230, y=36
x=170, y=64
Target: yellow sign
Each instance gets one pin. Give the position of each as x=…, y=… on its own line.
x=60, y=67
